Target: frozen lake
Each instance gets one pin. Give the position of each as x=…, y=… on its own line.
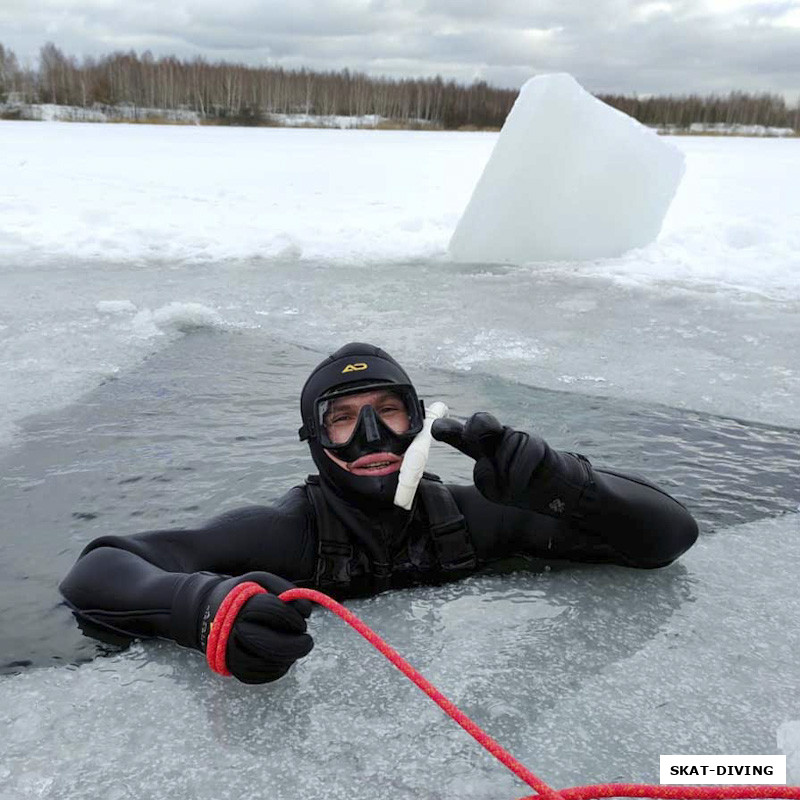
x=163, y=293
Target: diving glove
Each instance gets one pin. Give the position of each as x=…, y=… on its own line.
x=268, y=635
x=516, y=469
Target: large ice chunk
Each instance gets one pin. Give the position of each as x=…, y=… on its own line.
x=570, y=178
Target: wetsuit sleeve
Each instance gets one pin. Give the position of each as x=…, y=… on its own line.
x=147, y=584
x=606, y=517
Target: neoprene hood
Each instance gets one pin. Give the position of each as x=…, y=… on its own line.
x=358, y=366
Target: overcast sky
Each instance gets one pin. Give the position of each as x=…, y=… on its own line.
x=626, y=46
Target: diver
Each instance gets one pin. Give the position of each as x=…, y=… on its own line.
x=342, y=533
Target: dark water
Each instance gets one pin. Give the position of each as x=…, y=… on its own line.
x=210, y=424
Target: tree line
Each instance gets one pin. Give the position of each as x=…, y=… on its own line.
x=736, y=108
x=236, y=93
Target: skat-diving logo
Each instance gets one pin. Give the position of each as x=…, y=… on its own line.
x=354, y=367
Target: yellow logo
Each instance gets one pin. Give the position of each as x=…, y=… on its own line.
x=354, y=367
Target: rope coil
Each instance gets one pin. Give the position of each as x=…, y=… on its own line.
x=240, y=594
x=223, y=624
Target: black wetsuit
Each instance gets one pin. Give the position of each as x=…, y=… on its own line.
x=143, y=584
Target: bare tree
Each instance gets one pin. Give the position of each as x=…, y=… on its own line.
x=9, y=73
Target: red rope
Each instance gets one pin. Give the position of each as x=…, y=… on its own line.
x=240, y=594
x=223, y=623
x=677, y=792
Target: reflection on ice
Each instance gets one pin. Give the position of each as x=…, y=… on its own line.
x=584, y=673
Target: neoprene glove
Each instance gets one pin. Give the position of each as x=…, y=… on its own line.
x=268, y=635
x=516, y=469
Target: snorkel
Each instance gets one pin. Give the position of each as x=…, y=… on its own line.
x=415, y=458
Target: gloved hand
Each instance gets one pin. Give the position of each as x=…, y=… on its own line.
x=514, y=468
x=268, y=635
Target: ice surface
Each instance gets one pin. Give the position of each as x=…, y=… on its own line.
x=317, y=236
x=789, y=744
x=718, y=352
x=585, y=673
x=570, y=178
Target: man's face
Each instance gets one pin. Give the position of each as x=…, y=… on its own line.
x=340, y=421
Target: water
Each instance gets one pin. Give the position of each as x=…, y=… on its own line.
x=209, y=423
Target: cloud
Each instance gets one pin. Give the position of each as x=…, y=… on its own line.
x=647, y=46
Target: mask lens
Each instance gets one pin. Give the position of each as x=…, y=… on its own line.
x=341, y=415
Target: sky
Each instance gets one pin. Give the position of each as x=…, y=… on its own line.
x=610, y=46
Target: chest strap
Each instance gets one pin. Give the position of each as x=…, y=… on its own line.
x=335, y=551
x=448, y=528
x=337, y=558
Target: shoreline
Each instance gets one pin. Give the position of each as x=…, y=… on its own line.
x=122, y=115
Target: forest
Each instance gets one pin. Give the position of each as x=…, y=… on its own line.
x=222, y=92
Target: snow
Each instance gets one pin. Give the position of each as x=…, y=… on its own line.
x=333, y=120
x=199, y=194
x=179, y=317
x=721, y=128
x=48, y=112
x=570, y=178
x=114, y=306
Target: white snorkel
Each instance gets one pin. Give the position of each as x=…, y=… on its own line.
x=416, y=458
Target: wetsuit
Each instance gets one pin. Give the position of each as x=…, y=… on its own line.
x=143, y=584
x=341, y=532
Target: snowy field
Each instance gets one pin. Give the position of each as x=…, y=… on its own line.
x=163, y=292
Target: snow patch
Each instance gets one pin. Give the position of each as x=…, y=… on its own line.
x=493, y=346
x=569, y=379
x=114, y=307
x=177, y=317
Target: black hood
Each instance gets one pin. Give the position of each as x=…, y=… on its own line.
x=356, y=364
